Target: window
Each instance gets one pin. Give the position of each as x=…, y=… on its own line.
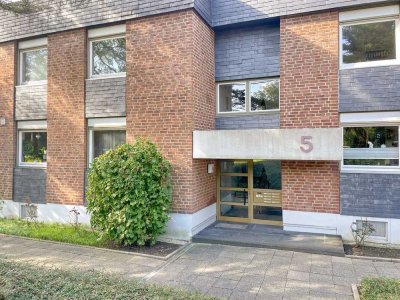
x=248, y=96
x=32, y=147
x=371, y=146
x=369, y=43
x=33, y=65
x=108, y=56
x=105, y=134
x=380, y=228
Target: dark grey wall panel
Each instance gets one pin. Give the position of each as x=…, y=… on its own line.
x=31, y=102
x=247, y=52
x=261, y=121
x=370, y=195
x=370, y=89
x=226, y=12
x=105, y=97
x=30, y=185
x=204, y=9
x=62, y=15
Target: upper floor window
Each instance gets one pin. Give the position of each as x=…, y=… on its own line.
x=107, y=51
x=33, y=61
x=248, y=96
x=368, y=39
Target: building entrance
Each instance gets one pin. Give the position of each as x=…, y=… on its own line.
x=249, y=191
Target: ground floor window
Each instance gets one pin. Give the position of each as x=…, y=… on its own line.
x=371, y=146
x=104, y=135
x=250, y=191
x=32, y=144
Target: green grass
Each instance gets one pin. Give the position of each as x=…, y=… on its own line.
x=53, y=232
x=380, y=289
x=26, y=282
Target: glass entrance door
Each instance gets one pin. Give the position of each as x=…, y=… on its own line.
x=250, y=191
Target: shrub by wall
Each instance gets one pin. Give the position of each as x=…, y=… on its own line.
x=128, y=195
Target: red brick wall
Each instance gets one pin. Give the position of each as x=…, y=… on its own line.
x=309, y=99
x=66, y=117
x=7, y=132
x=170, y=92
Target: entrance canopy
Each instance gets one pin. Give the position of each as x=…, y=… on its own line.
x=275, y=144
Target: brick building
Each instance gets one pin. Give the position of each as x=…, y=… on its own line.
x=271, y=112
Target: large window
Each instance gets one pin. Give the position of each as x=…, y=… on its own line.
x=33, y=65
x=369, y=43
x=371, y=146
x=108, y=56
x=248, y=96
x=32, y=148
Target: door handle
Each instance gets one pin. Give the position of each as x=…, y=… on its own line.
x=244, y=198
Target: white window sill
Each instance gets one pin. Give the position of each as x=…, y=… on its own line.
x=253, y=113
x=33, y=166
x=370, y=64
x=31, y=83
x=109, y=76
x=370, y=170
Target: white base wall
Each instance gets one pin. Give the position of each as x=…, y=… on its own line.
x=181, y=227
x=337, y=224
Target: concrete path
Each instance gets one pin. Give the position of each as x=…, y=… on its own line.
x=217, y=270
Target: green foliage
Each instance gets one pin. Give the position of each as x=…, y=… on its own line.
x=380, y=289
x=129, y=193
x=54, y=232
x=25, y=282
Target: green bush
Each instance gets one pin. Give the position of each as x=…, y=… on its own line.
x=128, y=193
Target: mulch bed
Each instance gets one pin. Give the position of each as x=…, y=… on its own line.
x=372, y=251
x=161, y=249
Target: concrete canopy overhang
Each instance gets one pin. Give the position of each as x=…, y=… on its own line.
x=312, y=144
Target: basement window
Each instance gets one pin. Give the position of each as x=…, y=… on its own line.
x=248, y=96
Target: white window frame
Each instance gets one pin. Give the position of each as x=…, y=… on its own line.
x=247, y=83
x=21, y=66
x=29, y=126
x=97, y=39
x=384, y=119
x=102, y=124
x=377, y=63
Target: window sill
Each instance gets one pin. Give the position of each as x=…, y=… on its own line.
x=32, y=166
x=372, y=64
x=99, y=77
x=32, y=83
x=370, y=170
x=254, y=113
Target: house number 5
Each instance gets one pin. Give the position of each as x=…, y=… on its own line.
x=306, y=145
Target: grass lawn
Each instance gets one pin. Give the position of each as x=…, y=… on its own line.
x=26, y=282
x=380, y=289
x=53, y=232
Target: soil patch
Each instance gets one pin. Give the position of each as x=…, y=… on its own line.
x=372, y=251
x=161, y=249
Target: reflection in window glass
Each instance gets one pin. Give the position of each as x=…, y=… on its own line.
x=234, y=181
x=267, y=174
x=267, y=213
x=369, y=42
x=109, y=56
x=34, y=65
x=34, y=147
x=234, y=196
x=107, y=140
x=374, y=146
x=234, y=211
x=264, y=95
x=232, y=97
x=233, y=166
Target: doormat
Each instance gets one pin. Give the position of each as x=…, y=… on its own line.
x=231, y=226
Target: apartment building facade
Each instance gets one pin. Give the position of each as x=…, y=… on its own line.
x=271, y=112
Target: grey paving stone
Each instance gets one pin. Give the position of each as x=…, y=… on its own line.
x=301, y=276
x=225, y=283
x=240, y=295
x=219, y=292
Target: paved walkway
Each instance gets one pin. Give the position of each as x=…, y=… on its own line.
x=218, y=270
